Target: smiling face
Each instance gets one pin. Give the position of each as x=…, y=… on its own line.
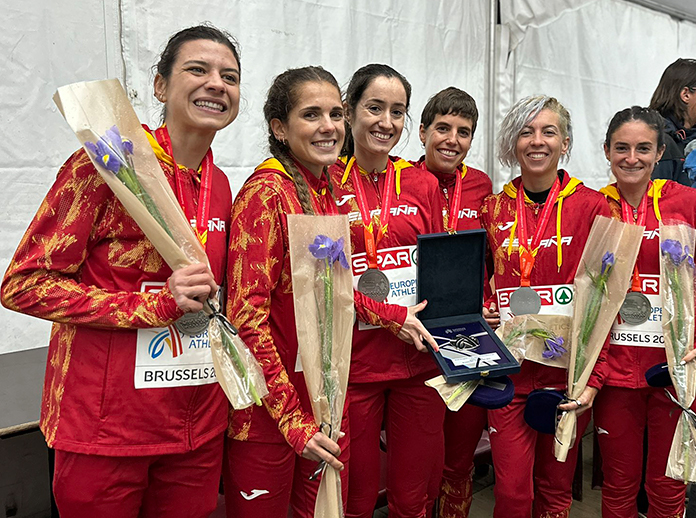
x=202, y=92
x=378, y=120
x=540, y=146
x=633, y=153
x=447, y=141
x=314, y=130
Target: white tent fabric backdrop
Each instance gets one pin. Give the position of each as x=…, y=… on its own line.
x=596, y=56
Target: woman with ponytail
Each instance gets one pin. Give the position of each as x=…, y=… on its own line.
x=389, y=202
x=127, y=445
x=271, y=452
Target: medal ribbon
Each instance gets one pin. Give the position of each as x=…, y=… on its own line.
x=206, y=170
x=628, y=217
x=371, y=241
x=529, y=251
x=455, y=202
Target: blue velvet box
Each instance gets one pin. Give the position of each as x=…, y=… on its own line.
x=451, y=276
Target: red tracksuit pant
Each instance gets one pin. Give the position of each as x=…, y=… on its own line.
x=463, y=431
x=265, y=479
x=529, y=481
x=621, y=416
x=413, y=415
x=183, y=485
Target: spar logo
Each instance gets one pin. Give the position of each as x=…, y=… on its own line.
x=563, y=295
x=387, y=259
x=168, y=338
x=549, y=295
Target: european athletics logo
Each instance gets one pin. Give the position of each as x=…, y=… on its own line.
x=168, y=337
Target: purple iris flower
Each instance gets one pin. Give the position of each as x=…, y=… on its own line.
x=673, y=249
x=105, y=155
x=554, y=348
x=607, y=262
x=337, y=253
x=326, y=248
x=122, y=145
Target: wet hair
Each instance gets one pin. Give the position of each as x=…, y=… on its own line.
x=204, y=31
x=282, y=97
x=450, y=101
x=667, y=96
x=637, y=113
x=524, y=112
x=361, y=79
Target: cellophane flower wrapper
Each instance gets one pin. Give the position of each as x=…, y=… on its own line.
x=524, y=336
x=677, y=289
x=324, y=339
x=610, y=253
x=97, y=111
x=455, y=395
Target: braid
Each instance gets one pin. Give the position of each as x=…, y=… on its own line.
x=282, y=96
x=280, y=152
x=328, y=180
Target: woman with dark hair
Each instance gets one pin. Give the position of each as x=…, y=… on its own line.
x=627, y=406
x=389, y=202
x=447, y=128
x=129, y=444
x=537, y=229
x=675, y=99
x=271, y=452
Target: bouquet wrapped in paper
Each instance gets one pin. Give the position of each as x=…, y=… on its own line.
x=601, y=282
x=455, y=395
x=106, y=125
x=677, y=241
x=324, y=314
x=543, y=339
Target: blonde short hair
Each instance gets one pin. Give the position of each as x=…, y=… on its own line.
x=522, y=113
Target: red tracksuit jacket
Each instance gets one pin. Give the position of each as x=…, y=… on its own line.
x=85, y=264
x=261, y=303
x=635, y=349
x=378, y=355
x=476, y=185
x=579, y=209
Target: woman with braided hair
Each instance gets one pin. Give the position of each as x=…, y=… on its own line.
x=271, y=452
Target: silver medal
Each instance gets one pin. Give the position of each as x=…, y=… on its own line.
x=636, y=308
x=525, y=301
x=193, y=324
x=374, y=284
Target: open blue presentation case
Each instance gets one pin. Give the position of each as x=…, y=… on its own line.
x=450, y=271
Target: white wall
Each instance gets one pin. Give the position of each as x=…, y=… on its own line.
x=596, y=59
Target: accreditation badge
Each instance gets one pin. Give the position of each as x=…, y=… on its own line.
x=168, y=357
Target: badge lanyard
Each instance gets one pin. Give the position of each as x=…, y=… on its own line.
x=628, y=217
x=162, y=135
x=371, y=241
x=528, y=255
x=455, y=203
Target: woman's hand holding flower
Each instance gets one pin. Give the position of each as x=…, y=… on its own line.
x=321, y=448
x=191, y=286
x=582, y=404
